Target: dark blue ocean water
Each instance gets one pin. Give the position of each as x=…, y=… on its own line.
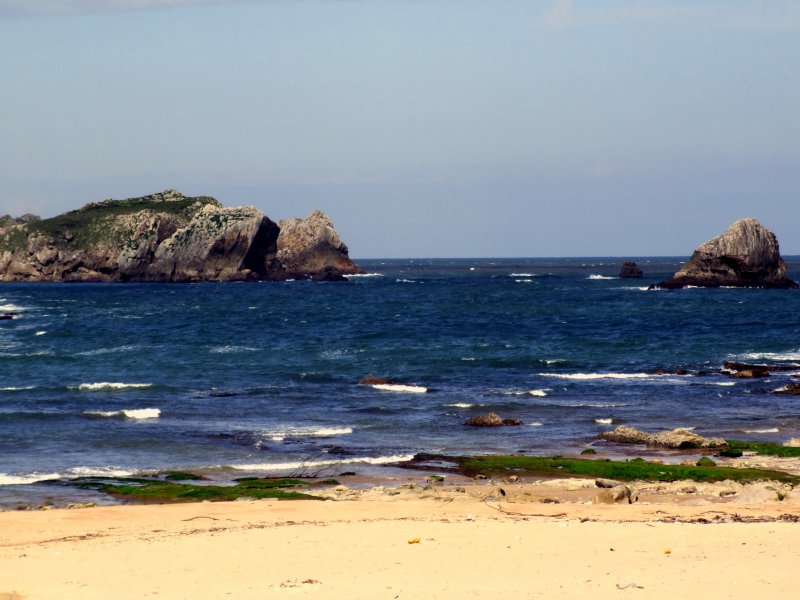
x=260, y=377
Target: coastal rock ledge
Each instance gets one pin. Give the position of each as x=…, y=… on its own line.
x=746, y=255
x=169, y=237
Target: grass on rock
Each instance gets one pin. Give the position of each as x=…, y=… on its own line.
x=545, y=466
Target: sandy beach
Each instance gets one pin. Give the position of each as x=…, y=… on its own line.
x=484, y=540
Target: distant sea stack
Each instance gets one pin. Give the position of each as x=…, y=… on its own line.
x=630, y=270
x=746, y=255
x=169, y=237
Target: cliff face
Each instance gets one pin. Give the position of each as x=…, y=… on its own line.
x=746, y=255
x=311, y=245
x=167, y=237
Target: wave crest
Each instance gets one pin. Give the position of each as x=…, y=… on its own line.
x=107, y=385
x=130, y=413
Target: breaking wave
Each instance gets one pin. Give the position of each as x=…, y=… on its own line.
x=106, y=385
x=131, y=413
x=399, y=387
x=378, y=460
x=766, y=430
x=591, y=376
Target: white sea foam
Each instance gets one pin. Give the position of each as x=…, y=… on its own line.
x=460, y=405
x=406, y=281
x=130, y=413
x=41, y=332
x=357, y=275
x=12, y=308
x=768, y=430
x=379, y=460
x=597, y=277
x=399, y=387
x=17, y=389
x=279, y=435
x=554, y=361
x=522, y=275
x=593, y=405
x=99, y=472
x=590, y=376
x=6, y=479
x=331, y=431
x=232, y=349
x=537, y=393
x=791, y=355
x=535, y=424
x=107, y=385
x=724, y=383
x=523, y=281
x=604, y=421
x=114, y=350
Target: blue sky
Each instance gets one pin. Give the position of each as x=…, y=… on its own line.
x=422, y=127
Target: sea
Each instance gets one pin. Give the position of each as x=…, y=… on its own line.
x=265, y=378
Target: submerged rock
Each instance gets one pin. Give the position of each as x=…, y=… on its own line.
x=746, y=255
x=488, y=420
x=491, y=420
x=790, y=389
x=674, y=439
x=630, y=270
x=169, y=237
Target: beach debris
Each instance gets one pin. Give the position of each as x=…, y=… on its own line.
x=588, y=451
x=676, y=438
x=615, y=495
x=667, y=551
x=792, y=443
x=415, y=540
x=629, y=585
x=606, y=483
x=293, y=583
x=490, y=420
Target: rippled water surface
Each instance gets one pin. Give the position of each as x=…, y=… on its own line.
x=264, y=377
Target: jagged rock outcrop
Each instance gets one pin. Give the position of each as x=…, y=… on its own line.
x=490, y=420
x=311, y=248
x=675, y=438
x=167, y=237
x=630, y=270
x=746, y=255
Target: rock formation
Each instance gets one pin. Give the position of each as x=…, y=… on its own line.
x=676, y=438
x=746, y=255
x=491, y=420
x=169, y=237
x=630, y=270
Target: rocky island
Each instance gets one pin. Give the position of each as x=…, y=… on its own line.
x=746, y=255
x=169, y=237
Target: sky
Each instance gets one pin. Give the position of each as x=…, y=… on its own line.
x=424, y=128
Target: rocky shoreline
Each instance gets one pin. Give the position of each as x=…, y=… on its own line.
x=169, y=237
